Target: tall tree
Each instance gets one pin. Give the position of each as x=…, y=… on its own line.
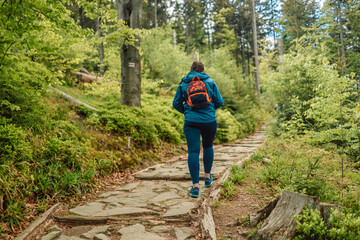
x=343, y=61
x=257, y=75
x=100, y=34
x=297, y=14
x=130, y=12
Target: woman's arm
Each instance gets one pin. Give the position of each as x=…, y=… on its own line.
x=178, y=102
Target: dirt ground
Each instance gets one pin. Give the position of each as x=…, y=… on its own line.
x=231, y=214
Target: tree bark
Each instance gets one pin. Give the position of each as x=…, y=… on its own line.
x=187, y=37
x=280, y=223
x=343, y=59
x=281, y=49
x=101, y=45
x=256, y=55
x=130, y=12
x=155, y=14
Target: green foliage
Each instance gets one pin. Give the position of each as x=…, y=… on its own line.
x=228, y=188
x=228, y=128
x=298, y=166
x=309, y=225
x=315, y=100
x=161, y=60
x=237, y=174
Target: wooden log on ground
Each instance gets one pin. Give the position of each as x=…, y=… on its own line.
x=280, y=224
x=87, y=78
x=72, y=99
x=84, y=70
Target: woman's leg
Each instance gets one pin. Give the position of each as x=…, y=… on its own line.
x=208, y=133
x=192, y=135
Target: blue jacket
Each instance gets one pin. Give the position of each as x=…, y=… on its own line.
x=203, y=115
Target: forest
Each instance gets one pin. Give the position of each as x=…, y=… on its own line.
x=300, y=55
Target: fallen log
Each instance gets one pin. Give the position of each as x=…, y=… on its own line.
x=84, y=70
x=280, y=223
x=72, y=99
x=87, y=78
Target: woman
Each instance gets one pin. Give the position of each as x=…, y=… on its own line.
x=200, y=119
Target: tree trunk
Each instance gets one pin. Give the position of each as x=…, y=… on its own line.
x=101, y=45
x=174, y=38
x=281, y=49
x=280, y=223
x=187, y=37
x=155, y=13
x=130, y=12
x=257, y=75
x=343, y=59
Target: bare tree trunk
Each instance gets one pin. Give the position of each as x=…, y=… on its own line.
x=187, y=37
x=174, y=37
x=281, y=49
x=343, y=59
x=257, y=75
x=101, y=45
x=155, y=13
x=130, y=12
x=243, y=58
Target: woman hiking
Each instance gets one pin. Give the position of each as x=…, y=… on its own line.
x=197, y=97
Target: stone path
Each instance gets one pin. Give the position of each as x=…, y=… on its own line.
x=155, y=206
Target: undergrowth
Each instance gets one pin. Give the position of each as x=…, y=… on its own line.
x=59, y=152
x=298, y=166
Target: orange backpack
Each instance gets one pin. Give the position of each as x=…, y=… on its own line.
x=198, y=96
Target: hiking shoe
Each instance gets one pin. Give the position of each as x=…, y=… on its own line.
x=208, y=181
x=194, y=192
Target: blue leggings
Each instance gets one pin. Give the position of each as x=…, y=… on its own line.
x=192, y=132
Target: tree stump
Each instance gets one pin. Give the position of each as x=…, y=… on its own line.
x=326, y=210
x=280, y=223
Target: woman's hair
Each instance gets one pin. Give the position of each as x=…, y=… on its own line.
x=197, y=66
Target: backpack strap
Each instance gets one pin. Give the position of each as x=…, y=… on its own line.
x=198, y=79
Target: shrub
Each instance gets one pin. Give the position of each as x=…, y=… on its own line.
x=309, y=225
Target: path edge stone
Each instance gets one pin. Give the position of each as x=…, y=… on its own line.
x=207, y=225
x=42, y=222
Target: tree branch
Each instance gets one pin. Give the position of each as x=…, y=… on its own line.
x=3, y=57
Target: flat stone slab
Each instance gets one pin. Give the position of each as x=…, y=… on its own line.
x=179, y=171
x=180, y=210
x=64, y=237
x=52, y=235
x=95, y=231
x=138, y=231
x=96, y=209
x=101, y=237
x=147, y=198
x=183, y=233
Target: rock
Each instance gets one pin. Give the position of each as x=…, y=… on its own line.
x=63, y=237
x=95, y=231
x=182, y=233
x=165, y=196
x=96, y=209
x=208, y=224
x=128, y=187
x=182, y=209
x=266, y=160
x=137, y=231
x=54, y=228
x=161, y=229
x=52, y=235
x=101, y=237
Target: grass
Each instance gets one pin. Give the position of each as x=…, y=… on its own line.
x=298, y=166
